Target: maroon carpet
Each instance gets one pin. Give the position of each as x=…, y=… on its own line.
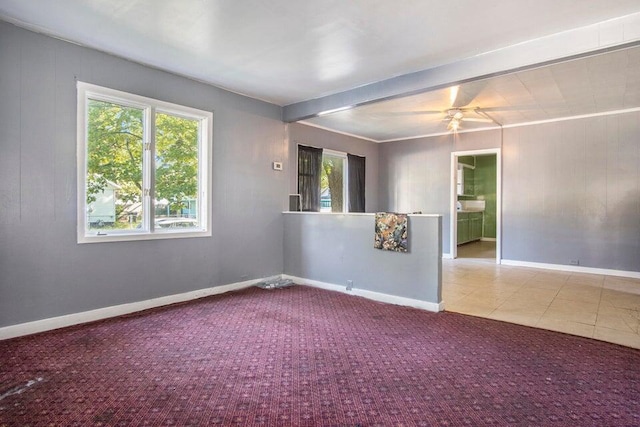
x=302, y=356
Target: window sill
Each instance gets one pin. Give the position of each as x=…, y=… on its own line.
x=131, y=237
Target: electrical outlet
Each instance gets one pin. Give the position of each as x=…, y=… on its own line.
x=349, y=285
x=574, y=262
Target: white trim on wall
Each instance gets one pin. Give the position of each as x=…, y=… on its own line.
x=578, y=117
x=432, y=135
x=115, y=310
x=453, y=227
x=375, y=296
x=572, y=268
x=514, y=125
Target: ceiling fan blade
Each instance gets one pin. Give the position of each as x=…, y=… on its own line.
x=471, y=119
x=428, y=112
x=509, y=108
x=467, y=92
x=409, y=113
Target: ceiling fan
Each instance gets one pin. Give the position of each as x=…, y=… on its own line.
x=456, y=116
x=459, y=111
x=453, y=116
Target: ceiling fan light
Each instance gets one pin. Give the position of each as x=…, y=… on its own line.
x=455, y=113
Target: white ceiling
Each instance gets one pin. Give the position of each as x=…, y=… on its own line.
x=602, y=83
x=289, y=51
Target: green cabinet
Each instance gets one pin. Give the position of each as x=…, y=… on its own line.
x=463, y=227
x=475, y=226
x=469, y=226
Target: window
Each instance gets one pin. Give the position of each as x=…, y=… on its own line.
x=330, y=181
x=333, y=189
x=143, y=167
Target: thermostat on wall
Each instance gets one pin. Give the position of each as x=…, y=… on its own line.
x=277, y=166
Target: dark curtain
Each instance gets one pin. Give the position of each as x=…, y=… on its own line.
x=356, y=168
x=309, y=170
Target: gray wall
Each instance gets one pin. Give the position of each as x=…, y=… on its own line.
x=571, y=191
x=308, y=135
x=334, y=248
x=43, y=272
x=415, y=174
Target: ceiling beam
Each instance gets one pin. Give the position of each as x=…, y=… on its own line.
x=614, y=34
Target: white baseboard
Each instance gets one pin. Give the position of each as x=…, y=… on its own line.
x=376, y=296
x=122, y=309
x=115, y=310
x=572, y=268
x=446, y=256
x=488, y=239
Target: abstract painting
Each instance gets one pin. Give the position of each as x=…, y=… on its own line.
x=391, y=232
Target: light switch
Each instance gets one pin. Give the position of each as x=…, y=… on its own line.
x=277, y=166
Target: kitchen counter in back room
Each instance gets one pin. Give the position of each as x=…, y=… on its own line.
x=471, y=206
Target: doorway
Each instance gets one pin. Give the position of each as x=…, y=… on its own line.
x=476, y=188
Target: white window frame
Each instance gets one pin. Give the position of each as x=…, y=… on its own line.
x=345, y=177
x=150, y=106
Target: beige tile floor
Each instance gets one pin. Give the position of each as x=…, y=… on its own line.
x=606, y=308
